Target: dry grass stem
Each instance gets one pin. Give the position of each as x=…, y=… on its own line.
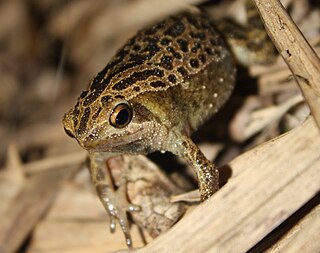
x=30, y=204
x=55, y=162
x=295, y=50
x=304, y=235
x=49, y=52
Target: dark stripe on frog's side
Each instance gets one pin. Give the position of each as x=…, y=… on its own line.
x=96, y=114
x=166, y=62
x=172, y=78
x=99, y=84
x=75, y=114
x=83, y=122
x=135, y=77
x=102, y=80
x=183, y=45
x=174, y=53
x=183, y=71
x=194, y=63
x=157, y=84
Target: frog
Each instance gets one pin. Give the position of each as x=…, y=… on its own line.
x=159, y=87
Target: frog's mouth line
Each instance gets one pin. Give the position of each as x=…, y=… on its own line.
x=127, y=142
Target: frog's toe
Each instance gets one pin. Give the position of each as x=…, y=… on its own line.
x=124, y=224
x=119, y=214
x=118, y=210
x=112, y=224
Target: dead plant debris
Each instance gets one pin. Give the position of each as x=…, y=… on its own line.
x=49, y=50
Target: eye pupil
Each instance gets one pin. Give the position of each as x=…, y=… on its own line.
x=121, y=115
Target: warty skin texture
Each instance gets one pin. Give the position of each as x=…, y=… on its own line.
x=172, y=76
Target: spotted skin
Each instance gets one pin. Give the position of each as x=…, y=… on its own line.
x=173, y=75
x=157, y=58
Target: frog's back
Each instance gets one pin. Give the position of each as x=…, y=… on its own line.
x=180, y=68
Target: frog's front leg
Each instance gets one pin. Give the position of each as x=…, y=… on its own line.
x=114, y=200
x=207, y=173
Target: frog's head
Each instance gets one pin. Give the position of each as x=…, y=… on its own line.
x=112, y=125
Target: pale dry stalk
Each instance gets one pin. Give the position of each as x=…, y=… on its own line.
x=295, y=50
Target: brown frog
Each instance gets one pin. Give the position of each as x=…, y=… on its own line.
x=158, y=89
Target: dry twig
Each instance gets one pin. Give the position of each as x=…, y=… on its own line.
x=295, y=50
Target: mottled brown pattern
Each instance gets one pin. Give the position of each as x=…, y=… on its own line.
x=83, y=122
x=142, y=64
x=158, y=88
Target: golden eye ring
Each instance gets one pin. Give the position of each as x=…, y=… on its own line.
x=121, y=115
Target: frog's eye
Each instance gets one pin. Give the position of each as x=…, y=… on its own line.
x=69, y=133
x=121, y=115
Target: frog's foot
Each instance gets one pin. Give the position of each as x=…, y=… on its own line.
x=117, y=206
